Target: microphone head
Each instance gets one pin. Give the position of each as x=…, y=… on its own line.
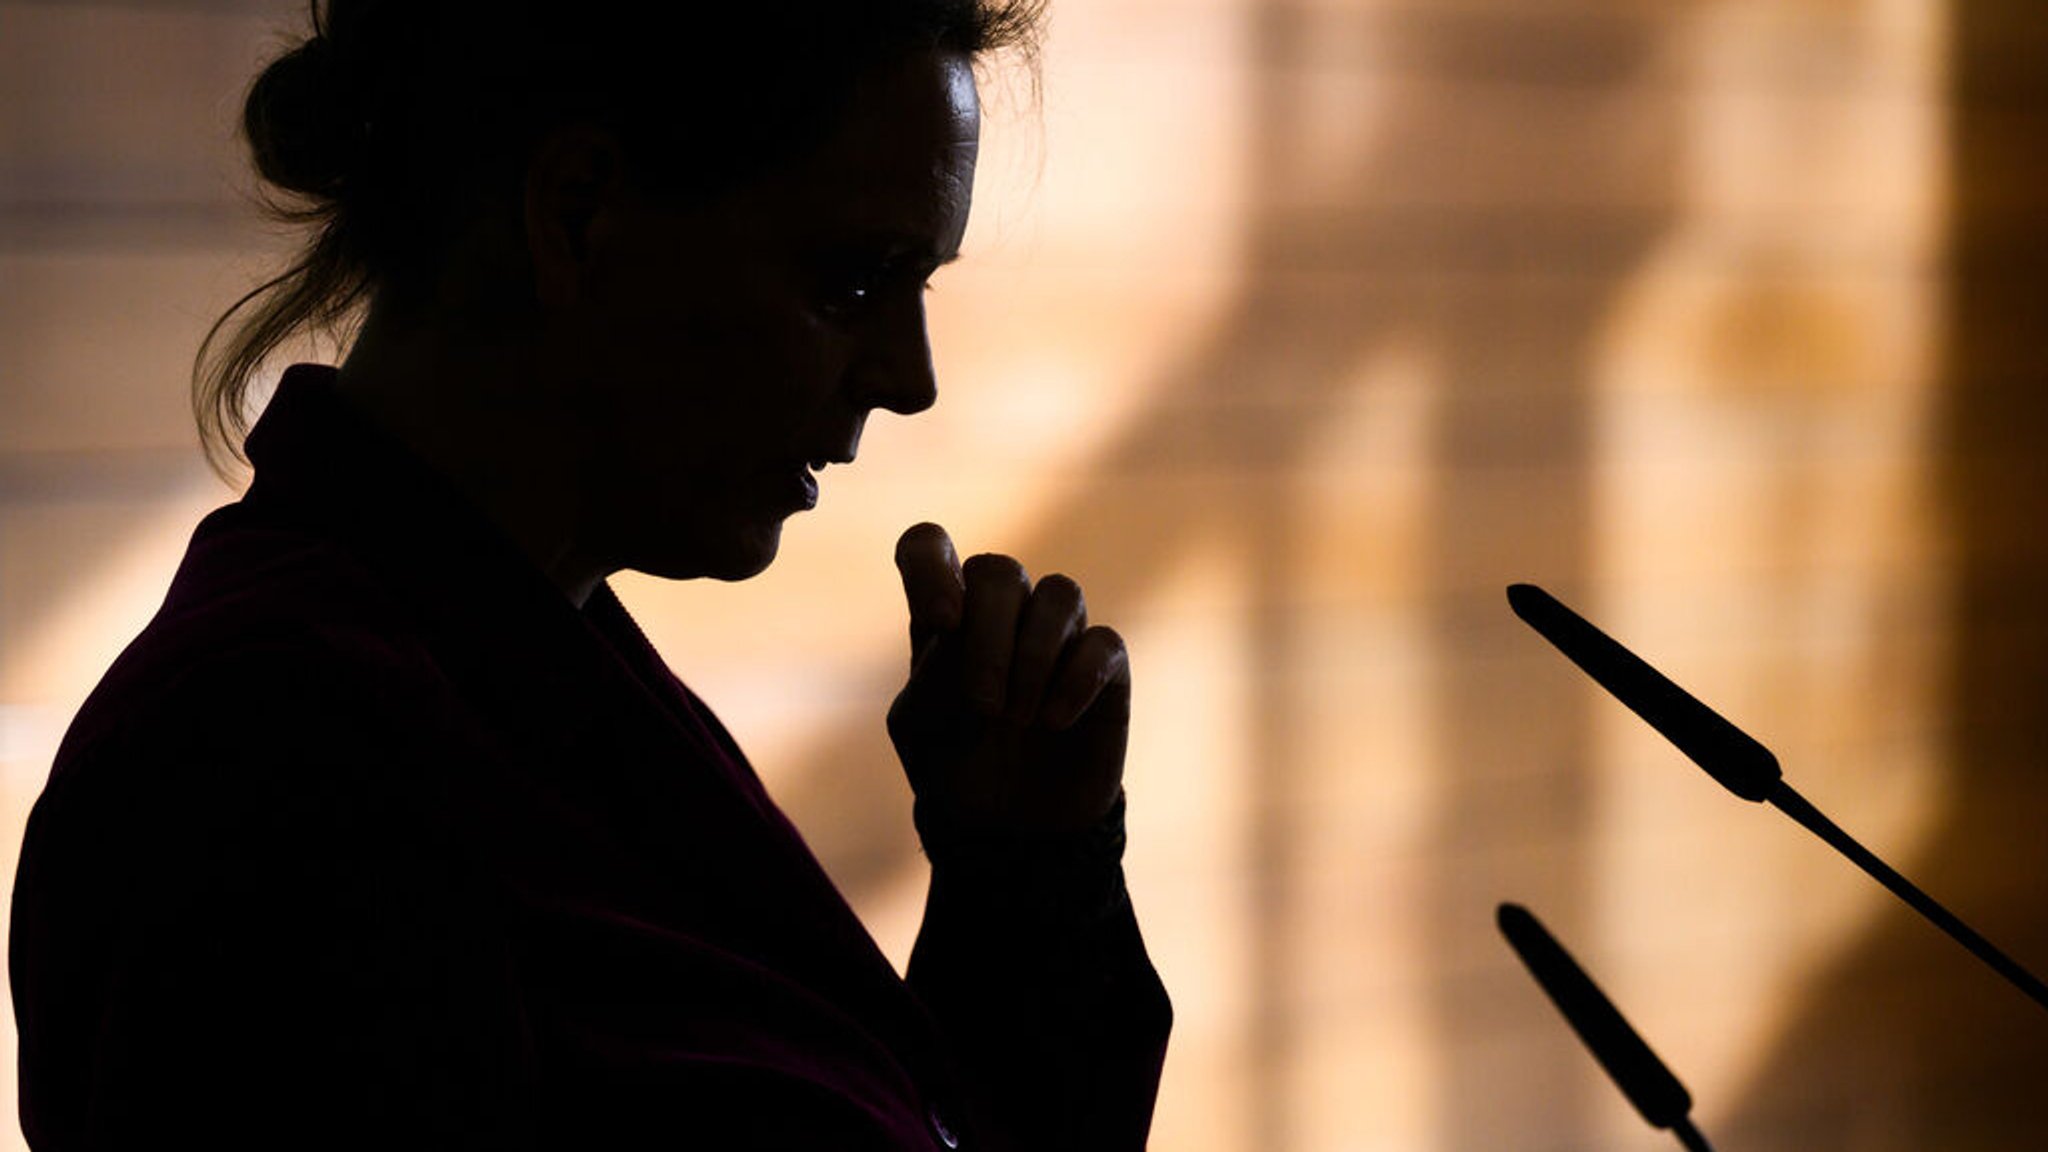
x=1643, y=1078
x=1730, y=755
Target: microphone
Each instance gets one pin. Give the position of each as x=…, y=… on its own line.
x=1643, y=1078
x=1733, y=757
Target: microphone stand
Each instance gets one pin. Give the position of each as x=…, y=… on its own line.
x=1641, y=1076
x=1791, y=803
x=1690, y=1137
x=1733, y=757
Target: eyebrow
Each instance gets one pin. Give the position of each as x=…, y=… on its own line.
x=897, y=247
x=920, y=257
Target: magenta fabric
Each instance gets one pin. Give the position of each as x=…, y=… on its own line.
x=372, y=840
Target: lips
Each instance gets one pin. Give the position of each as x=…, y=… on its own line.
x=804, y=485
x=804, y=490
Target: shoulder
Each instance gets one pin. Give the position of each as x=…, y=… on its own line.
x=243, y=839
x=268, y=741
x=276, y=661
x=250, y=588
x=258, y=609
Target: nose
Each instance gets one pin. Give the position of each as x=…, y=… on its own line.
x=894, y=370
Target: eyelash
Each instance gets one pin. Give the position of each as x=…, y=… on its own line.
x=853, y=292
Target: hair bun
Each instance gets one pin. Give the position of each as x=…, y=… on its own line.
x=303, y=122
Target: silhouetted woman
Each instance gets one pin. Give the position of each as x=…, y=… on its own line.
x=391, y=830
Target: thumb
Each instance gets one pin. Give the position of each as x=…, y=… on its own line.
x=932, y=584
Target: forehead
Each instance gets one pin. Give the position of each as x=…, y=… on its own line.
x=900, y=162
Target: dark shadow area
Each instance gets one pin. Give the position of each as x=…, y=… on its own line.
x=1512, y=190
x=1907, y=1042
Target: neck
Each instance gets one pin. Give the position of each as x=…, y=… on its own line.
x=478, y=411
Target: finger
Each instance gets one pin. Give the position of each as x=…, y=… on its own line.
x=1095, y=674
x=1052, y=617
x=932, y=584
x=920, y=714
x=996, y=590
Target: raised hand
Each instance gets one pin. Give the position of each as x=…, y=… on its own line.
x=1017, y=711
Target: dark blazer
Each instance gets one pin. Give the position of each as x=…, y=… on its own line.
x=372, y=840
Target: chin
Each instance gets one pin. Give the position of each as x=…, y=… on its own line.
x=740, y=555
x=745, y=568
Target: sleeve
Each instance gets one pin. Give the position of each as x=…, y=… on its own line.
x=258, y=933
x=1031, y=960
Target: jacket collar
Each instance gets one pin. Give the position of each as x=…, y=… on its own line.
x=319, y=456
x=315, y=451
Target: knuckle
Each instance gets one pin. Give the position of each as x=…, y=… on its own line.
x=899, y=721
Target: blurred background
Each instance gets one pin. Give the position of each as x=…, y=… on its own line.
x=1295, y=330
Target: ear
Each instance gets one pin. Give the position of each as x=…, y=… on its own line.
x=576, y=172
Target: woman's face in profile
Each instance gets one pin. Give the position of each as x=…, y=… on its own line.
x=721, y=354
